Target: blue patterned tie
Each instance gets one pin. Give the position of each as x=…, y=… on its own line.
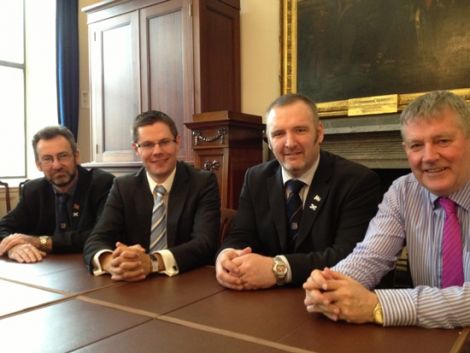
x=293, y=206
x=158, y=230
x=62, y=216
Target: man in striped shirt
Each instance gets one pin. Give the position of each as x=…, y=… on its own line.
x=436, y=134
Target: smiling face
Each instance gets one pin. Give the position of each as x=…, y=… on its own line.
x=160, y=159
x=294, y=136
x=438, y=152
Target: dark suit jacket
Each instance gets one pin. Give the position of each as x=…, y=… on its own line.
x=193, y=216
x=343, y=197
x=35, y=212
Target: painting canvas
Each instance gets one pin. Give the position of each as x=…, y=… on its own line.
x=360, y=48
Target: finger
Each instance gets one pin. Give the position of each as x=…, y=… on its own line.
x=229, y=281
x=231, y=267
x=245, y=251
x=132, y=276
x=31, y=254
x=137, y=247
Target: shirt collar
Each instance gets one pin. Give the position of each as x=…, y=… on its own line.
x=167, y=184
x=307, y=177
x=461, y=197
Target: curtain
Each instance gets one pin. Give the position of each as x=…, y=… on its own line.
x=67, y=64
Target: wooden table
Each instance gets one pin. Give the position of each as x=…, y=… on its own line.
x=57, y=306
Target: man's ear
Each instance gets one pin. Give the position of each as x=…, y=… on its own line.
x=77, y=157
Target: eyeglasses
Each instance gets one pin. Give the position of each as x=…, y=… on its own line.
x=48, y=160
x=150, y=145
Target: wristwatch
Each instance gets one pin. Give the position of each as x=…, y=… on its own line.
x=154, y=260
x=378, y=314
x=43, y=243
x=279, y=270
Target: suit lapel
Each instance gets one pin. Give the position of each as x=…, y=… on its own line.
x=178, y=194
x=276, y=197
x=316, y=198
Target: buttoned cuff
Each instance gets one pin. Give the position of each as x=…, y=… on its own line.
x=397, y=306
x=97, y=269
x=171, y=267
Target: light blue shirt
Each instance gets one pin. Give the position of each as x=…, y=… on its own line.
x=409, y=215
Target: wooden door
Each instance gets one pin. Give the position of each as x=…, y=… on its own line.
x=115, y=80
x=167, y=66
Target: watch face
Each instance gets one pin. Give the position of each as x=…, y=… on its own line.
x=281, y=269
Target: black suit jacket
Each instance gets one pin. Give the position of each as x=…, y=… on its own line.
x=35, y=212
x=193, y=216
x=343, y=197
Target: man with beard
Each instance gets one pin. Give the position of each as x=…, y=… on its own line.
x=55, y=213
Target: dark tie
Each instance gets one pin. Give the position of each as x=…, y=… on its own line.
x=293, y=206
x=452, y=266
x=158, y=230
x=62, y=216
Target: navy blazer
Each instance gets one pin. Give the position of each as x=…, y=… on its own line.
x=35, y=212
x=342, y=198
x=193, y=216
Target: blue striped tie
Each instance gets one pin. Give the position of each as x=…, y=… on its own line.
x=158, y=230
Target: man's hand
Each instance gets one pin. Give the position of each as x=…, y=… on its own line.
x=26, y=253
x=15, y=239
x=227, y=272
x=339, y=297
x=255, y=271
x=127, y=263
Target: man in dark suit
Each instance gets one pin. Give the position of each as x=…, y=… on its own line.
x=57, y=212
x=268, y=243
x=123, y=242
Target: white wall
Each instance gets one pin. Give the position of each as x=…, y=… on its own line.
x=260, y=54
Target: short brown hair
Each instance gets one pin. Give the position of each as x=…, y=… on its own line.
x=50, y=132
x=151, y=117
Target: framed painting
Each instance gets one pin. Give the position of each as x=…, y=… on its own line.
x=359, y=57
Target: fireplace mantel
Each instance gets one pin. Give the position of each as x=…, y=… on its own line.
x=373, y=141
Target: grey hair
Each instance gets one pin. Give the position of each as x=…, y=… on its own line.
x=428, y=106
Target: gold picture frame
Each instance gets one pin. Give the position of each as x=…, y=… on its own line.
x=381, y=104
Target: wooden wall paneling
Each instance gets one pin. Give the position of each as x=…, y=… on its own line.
x=114, y=57
x=166, y=63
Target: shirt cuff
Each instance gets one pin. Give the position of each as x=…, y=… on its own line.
x=97, y=269
x=171, y=267
x=397, y=306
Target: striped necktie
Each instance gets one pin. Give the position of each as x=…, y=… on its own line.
x=452, y=266
x=158, y=230
x=293, y=206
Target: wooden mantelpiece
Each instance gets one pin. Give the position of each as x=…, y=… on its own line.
x=227, y=143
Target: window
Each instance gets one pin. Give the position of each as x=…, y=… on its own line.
x=12, y=89
x=28, y=98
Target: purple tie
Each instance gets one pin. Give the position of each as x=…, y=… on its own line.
x=452, y=267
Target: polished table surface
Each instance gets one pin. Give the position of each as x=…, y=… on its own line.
x=60, y=307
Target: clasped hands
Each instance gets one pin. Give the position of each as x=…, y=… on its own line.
x=22, y=248
x=127, y=263
x=243, y=269
x=339, y=297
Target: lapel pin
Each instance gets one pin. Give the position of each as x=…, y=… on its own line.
x=317, y=198
x=74, y=214
x=76, y=206
x=313, y=207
